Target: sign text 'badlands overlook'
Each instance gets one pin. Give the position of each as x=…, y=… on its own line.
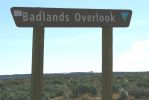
x=65, y=17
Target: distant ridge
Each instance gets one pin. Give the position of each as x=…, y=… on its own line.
x=72, y=74
x=16, y=76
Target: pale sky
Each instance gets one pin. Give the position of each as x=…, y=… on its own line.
x=75, y=49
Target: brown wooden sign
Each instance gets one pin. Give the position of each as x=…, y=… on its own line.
x=39, y=18
x=66, y=17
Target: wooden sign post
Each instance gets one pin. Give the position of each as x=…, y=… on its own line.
x=107, y=63
x=37, y=62
x=39, y=18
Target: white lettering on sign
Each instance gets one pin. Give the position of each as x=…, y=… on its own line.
x=41, y=16
x=94, y=18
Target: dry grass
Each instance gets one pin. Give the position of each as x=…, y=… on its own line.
x=87, y=97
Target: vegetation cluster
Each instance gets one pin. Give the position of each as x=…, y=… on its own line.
x=76, y=86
